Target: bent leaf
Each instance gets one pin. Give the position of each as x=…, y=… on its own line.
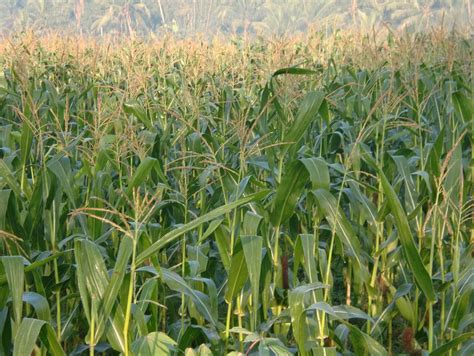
x=422, y=277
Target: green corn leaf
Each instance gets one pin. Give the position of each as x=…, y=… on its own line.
x=25, y=146
x=361, y=342
x=238, y=273
x=4, y=196
x=15, y=275
x=402, y=302
x=288, y=193
x=93, y=281
x=5, y=340
x=463, y=106
x=222, y=236
x=39, y=303
x=296, y=301
x=294, y=71
x=175, y=282
x=35, y=207
x=7, y=177
x=411, y=196
x=444, y=349
x=298, y=258
x=142, y=173
x=318, y=172
x=324, y=351
x=343, y=229
x=113, y=287
x=155, y=343
x=412, y=256
x=136, y=109
x=176, y=233
x=306, y=114
x=340, y=312
x=37, y=264
x=28, y=333
x=57, y=168
x=310, y=267
x=452, y=182
x=307, y=246
x=252, y=246
x=272, y=346
x=212, y=294
x=251, y=223
x=461, y=306
x=140, y=320
x=434, y=159
x=211, y=228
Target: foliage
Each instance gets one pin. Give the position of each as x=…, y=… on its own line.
x=208, y=17
x=176, y=196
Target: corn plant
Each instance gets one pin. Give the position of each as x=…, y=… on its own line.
x=302, y=196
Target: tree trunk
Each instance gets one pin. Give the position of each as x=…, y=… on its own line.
x=161, y=12
x=354, y=11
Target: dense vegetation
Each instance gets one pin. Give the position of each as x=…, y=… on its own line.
x=186, y=17
x=301, y=195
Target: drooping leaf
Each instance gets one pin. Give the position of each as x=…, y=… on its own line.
x=175, y=282
x=39, y=303
x=307, y=111
x=405, y=236
x=15, y=275
x=93, y=282
x=318, y=172
x=296, y=300
x=155, y=343
x=288, y=193
x=252, y=246
x=28, y=333
x=238, y=273
x=444, y=349
x=176, y=233
x=343, y=229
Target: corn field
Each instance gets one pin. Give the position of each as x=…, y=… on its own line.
x=308, y=195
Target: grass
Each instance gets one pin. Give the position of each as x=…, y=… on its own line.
x=307, y=195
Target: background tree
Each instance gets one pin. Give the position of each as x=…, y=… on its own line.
x=188, y=17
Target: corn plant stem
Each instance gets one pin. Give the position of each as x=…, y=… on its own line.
x=233, y=224
x=23, y=179
x=131, y=288
x=227, y=324
x=229, y=305
x=92, y=334
x=239, y=321
x=276, y=248
x=430, y=270
x=202, y=198
x=183, y=247
x=331, y=249
x=326, y=276
x=52, y=223
x=318, y=313
x=390, y=336
x=379, y=148
x=442, y=272
x=58, y=300
x=430, y=327
x=276, y=263
x=380, y=201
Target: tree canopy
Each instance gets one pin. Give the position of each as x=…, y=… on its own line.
x=187, y=17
